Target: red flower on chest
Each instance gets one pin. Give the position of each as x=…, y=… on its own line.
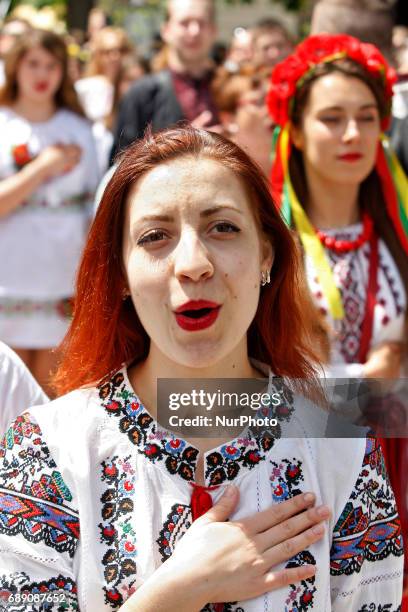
x=21, y=155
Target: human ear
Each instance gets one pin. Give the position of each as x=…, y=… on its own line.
x=268, y=254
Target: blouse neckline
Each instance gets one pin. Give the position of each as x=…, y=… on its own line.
x=172, y=453
x=48, y=121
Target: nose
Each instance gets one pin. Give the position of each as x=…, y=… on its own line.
x=192, y=259
x=194, y=28
x=352, y=131
x=273, y=52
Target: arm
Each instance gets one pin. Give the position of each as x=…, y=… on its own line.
x=383, y=361
x=54, y=160
x=134, y=115
x=366, y=558
x=18, y=388
x=39, y=526
x=15, y=189
x=218, y=561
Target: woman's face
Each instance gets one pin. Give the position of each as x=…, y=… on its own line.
x=193, y=258
x=110, y=54
x=339, y=130
x=39, y=75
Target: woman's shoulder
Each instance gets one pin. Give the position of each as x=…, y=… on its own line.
x=68, y=429
x=69, y=413
x=7, y=114
x=18, y=388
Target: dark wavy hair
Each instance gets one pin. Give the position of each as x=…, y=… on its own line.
x=370, y=195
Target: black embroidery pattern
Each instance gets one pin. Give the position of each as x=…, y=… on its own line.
x=286, y=476
x=227, y=607
x=179, y=458
x=285, y=479
x=117, y=532
x=178, y=521
x=368, y=528
x=247, y=452
x=34, y=499
x=18, y=593
x=301, y=595
x=373, y=607
x=155, y=445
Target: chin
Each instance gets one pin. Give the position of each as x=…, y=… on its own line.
x=202, y=354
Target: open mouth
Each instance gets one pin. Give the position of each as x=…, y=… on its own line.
x=196, y=314
x=195, y=320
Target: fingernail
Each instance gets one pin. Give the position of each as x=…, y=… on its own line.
x=323, y=511
x=309, y=498
x=318, y=529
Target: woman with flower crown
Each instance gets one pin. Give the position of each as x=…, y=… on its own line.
x=341, y=188
x=47, y=179
x=103, y=506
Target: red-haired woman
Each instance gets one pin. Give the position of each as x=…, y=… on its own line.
x=340, y=186
x=190, y=272
x=47, y=180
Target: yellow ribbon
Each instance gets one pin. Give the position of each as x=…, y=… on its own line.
x=311, y=243
x=399, y=176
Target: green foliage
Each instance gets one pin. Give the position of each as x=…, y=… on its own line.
x=58, y=5
x=290, y=5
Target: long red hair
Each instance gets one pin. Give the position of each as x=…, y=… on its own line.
x=106, y=331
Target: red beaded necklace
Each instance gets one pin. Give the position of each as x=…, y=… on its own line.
x=344, y=246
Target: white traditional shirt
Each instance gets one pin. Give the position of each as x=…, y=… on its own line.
x=95, y=494
x=351, y=272
x=18, y=388
x=42, y=240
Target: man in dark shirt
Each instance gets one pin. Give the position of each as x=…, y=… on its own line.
x=183, y=90
x=399, y=141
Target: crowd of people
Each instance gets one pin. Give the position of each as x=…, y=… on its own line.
x=231, y=213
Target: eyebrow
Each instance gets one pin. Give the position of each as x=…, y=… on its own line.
x=340, y=108
x=203, y=214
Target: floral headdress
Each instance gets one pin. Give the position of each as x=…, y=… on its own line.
x=287, y=78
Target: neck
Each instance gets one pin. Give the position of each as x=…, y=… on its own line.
x=332, y=205
x=195, y=69
x=34, y=112
x=144, y=376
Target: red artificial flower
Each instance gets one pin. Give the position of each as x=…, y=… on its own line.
x=21, y=155
x=315, y=50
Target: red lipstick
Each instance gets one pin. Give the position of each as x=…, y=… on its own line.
x=41, y=86
x=197, y=314
x=351, y=157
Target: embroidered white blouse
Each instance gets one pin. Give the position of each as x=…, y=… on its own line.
x=94, y=495
x=42, y=240
x=351, y=271
x=18, y=388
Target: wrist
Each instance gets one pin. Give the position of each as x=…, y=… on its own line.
x=38, y=169
x=169, y=588
x=175, y=578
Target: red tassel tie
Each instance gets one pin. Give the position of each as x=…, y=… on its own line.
x=201, y=502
